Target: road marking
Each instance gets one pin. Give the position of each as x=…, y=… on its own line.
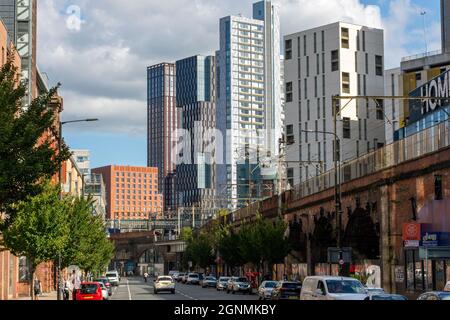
x=129, y=292
x=185, y=295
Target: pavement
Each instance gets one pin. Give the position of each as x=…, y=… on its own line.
x=44, y=297
x=137, y=289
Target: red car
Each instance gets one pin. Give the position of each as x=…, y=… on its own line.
x=89, y=291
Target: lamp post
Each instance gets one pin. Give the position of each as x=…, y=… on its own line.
x=60, y=138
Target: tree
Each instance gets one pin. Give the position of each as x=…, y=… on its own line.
x=199, y=250
x=39, y=230
x=228, y=242
x=28, y=154
x=88, y=246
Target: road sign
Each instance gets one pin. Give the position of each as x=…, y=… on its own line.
x=341, y=262
x=336, y=254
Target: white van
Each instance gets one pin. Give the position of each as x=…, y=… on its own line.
x=332, y=288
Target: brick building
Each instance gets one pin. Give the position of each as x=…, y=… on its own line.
x=131, y=192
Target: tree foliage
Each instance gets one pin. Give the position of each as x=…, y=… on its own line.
x=200, y=250
x=40, y=230
x=27, y=153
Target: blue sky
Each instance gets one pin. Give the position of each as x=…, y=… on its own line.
x=102, y=62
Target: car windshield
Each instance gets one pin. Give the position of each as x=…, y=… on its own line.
x=345, y=286
x=374, y=290
x=224, y=279
x=290, y=285
x=387, y=297
x=210, y=278
x=444, y=295
x=271, y=284
x=165, y=279
x=88, y=288
x=101, y=280
x=111, y=275
x=242, y=280
x=193, y=276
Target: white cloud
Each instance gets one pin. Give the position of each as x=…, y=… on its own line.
x=103, y=66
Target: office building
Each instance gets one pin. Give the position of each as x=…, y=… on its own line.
x=131, y=192
x=20, y=18
x=393, y=110
x=163, y=122
x=195, y=171
x=336, y=59
x=249, y=112
x=445, y=25
x=94, y=186
x=83, y=160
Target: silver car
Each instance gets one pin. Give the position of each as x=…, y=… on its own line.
x=105, y=294
x=265, y=289
x=222, y=283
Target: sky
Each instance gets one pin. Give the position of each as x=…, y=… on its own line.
x=99, y=51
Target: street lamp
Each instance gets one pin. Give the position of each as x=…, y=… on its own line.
x=60, y=137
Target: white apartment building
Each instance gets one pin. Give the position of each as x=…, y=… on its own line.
x=393, y=110
x=83, y=160
x=336, y=59
x=249, y=111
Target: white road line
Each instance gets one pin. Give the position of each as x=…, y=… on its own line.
x=129, y=292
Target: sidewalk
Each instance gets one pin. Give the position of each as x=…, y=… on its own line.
x=43, y=297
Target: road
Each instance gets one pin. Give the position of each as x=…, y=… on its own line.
x=137, y=289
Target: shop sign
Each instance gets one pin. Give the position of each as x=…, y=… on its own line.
x=434, y=239
x=411, y=232
x=412, y=243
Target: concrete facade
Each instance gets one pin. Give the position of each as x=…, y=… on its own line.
x=336, y=59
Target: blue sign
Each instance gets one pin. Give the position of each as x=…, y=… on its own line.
x=435, y=239
x=438, y=87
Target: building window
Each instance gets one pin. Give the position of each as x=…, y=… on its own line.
x=289, y=92
x=308, y=110
x=380, y=109
x=367, y=63
x=307, y=66
x=418, y=76
x=315, y=87
x=357, y=40
x=345, y=82
x=345, y=43
x=379, y=65
x=323, y=40
x=356, y=61
x=299, y=90
x=288, y=49
x=306, y=88
x=359, y=84
x=364, y=40
x=290, y=139
x=334, y=60
x=318, y=64
x=299, y=68
x=315, y=42
x=438, y=194
x=346, y=128
x=304, y=45
x=290, y=176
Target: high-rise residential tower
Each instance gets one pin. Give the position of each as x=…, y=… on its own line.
x=163, y=121
x=249, y=110
x=336, y=59
x=195, y=171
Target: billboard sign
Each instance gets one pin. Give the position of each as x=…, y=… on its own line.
x=438, y=87
x=411, y=231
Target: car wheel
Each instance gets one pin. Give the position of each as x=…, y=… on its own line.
x=173, y=291
x=155, y=292
x=228, y=291
x=233, y=292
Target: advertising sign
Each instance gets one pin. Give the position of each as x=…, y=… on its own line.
x=435, y=239
x=438, y=87
x=411, y=231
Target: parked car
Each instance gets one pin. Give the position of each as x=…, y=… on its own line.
x=435, y=295
x=105, y=293
x=164, y=283
x=105, y=281
x=222, y=283
x=89, y=291
x=113, y=277
x=286, y=290
x=239, y=284
x=184, y=277
x=447, y=286
x=175, y=275
x=208, y=282
x=386, y=296
x=193, y=278
x=179, y=277
x=332, y=288
x=173, y=272
x=265, y=289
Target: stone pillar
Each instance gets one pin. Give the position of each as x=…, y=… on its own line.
x=385, y=239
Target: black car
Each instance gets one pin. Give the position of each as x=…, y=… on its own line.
x=105, y=281
x=435, y=295
x=286, y=290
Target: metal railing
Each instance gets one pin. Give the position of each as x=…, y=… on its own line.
x=422, y=55
x=412, y=147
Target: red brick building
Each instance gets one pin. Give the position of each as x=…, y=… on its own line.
x=131, y=192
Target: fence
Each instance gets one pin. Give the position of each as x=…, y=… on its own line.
x=412, y=147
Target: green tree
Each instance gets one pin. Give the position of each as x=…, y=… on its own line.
x=228, y=242
x=40, y=229
x=27, y=153
x=88, y=247
x=200, y=251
